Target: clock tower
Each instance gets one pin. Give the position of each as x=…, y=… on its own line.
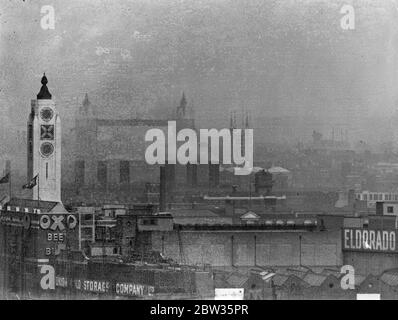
x=44, y=146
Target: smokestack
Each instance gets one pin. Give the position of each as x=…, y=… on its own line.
x=214, y=175
x=170, y=177
x=162, y=191
x=192, y=175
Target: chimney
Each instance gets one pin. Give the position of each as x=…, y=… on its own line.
x=214, y=175
x=191, y=175
x=162, y=191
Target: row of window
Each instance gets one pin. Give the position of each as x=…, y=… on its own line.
x=102, y=172
x=377, y=196
x=124, y=172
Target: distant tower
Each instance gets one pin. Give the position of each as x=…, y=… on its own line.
x=182, y=108
x=232, y=126
x=246, y=125
x=86, y=109
x=85, y=144
x=184, y=117
x=394, y=126
x=44, y=146
x=231, y=122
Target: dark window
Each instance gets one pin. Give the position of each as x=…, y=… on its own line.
x=124, y=171
x=102, y=173
x=390, y=209
x=149, y=222
x=79, y=172
x=214, y=174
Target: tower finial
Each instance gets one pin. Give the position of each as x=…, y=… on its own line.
x=44, y=93
x=86, y=102
x=181, y=109
x=183, y=102
x=247, y=120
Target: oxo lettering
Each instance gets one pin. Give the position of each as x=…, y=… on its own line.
x=55, y=222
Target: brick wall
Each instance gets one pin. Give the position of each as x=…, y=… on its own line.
x=225, y=249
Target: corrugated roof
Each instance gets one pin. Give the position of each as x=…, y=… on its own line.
x=279, y=279
x=299, y=272
x=194, y=213
x=332, y=272
x=237, y=280
x=390, y=278
x=314, y=280
x=45, y=206
x=359, y=279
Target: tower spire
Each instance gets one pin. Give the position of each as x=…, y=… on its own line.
x=86, y=102
x=181, y=109
x=44, y=94
x=183, y=102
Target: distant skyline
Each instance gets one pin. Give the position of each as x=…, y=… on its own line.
x=273, y=58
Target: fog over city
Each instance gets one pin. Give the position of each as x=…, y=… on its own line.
x=273, y=58
x=198, y=150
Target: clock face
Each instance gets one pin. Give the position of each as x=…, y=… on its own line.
x=46, y=114
x=47, y=149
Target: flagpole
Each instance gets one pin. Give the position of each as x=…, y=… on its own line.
x=9, y=183
x=38, y=189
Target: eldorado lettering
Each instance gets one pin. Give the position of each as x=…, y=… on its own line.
x=369, y=240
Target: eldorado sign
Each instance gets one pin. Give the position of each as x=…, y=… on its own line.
x=369, y=240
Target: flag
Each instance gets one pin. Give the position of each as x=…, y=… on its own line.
x=5, y=179
x=31, y=183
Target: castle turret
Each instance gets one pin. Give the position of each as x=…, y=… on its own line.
x=85, y=141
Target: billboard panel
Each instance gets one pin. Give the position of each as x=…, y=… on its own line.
x=356, y=239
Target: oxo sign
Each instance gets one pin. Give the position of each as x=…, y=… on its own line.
x=57, y=222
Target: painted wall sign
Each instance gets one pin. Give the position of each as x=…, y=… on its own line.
x=369, y=240
x=96, y=286
x=132, y=289
x=61, y=282
x=57, y=222
x=101, y=286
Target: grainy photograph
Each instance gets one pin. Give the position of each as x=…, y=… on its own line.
x=198, y=150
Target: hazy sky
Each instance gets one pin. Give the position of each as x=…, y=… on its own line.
x=284, y=57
